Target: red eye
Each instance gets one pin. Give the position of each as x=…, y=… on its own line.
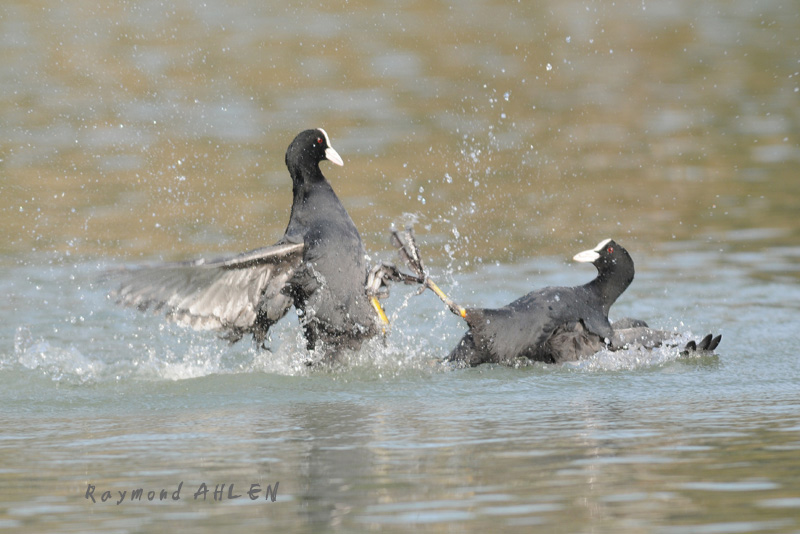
x=319, y=140
x=610, y=250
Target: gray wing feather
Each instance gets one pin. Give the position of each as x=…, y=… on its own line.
x=228, y=294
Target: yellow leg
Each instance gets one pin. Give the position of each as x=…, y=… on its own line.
x=455, y=308
x=379, y=310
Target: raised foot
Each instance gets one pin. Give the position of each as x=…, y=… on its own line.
x=407, y=248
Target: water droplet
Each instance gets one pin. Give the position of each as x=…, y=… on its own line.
x=549, y=67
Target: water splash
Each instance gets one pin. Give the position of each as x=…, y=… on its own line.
x=178, y=354
x=637, y=357
x=173, y=355
x=61, y=364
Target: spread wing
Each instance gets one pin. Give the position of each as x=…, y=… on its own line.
x=238, y=295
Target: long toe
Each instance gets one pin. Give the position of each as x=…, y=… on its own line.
x=715, y=342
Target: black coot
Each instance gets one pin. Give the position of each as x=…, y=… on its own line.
x=319, y=266
x=554, y=324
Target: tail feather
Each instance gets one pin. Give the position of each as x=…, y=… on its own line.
x=707, y=344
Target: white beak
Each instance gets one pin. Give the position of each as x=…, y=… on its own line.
x=587, y=256
x=333, y=156
x=591, y=256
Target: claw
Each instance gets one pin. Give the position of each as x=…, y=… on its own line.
x=380, y=275
x=407, y=248
x=378, y=285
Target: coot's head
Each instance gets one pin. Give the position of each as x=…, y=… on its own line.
x=610, y=259
x=309, y=148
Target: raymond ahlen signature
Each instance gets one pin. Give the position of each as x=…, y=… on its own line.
x=270, y=493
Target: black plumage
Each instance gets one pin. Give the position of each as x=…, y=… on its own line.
x=319, y=266
x=558, y=324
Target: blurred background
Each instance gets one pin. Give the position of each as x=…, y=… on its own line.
x=151, y=129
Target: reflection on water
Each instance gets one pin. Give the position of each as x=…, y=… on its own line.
x=517, y=134
x=494, y=450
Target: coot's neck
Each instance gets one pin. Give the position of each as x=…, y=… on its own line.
x=305, y=177
x=312, y=195
x=609, y=285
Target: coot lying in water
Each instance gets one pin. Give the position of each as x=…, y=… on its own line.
x=554, y=324
x=319, y=266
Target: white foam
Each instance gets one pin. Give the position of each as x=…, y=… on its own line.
x=637, y=357
x=61, y=364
